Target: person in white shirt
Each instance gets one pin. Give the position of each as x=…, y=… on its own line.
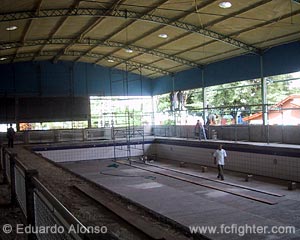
x=220, y=156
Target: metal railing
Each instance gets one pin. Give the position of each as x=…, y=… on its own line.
x=38, y=205
x=20, y=188
x=59, y=135
x=50, y=212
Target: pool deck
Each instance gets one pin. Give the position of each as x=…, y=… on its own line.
x=205, y=201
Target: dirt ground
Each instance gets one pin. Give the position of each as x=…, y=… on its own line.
x=9, y=214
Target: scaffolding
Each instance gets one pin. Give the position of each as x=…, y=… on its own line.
x=130, y=139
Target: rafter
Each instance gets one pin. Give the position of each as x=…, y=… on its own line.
x=92, y=12
x=91, y=55
x=211, y=23
x=233, y=14
x=98, y=21
x=29, y=25
x=256, y=43
x=180, y=16
x=60, y=23
x=90, y=28
x=125, y=25
x=96, y=42
x=248, y=29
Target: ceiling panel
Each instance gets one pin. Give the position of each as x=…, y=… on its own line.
x=42, y=58
x=11, y=5
x=262, y=23
x=206, y=51
x=165, y=64
x=225, y=55
x=133, y=31
x=278, y=40
x=52, y=47
x=106, y=27
x=146, y=58
x=270, y=31
x=74, y=26
x=190, y=41
x=28, y=49
x=50, y=4
x=79, y=47
x=103, y=50
x=41, y=28
x=68, y=58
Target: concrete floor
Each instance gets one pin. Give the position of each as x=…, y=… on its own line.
x=230, y=216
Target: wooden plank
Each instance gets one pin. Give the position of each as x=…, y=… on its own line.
x=218, y=181
x=207, y=186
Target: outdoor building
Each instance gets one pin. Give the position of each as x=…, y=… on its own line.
x=285, y=112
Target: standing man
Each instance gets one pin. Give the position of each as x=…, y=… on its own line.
x=220, y=157
x=180, y=100
x=172, y=100
x=197, y=129
x=10, y=136
x=200, y=131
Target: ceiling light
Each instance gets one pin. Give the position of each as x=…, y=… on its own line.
x=3, y=58
x=163, y=35
x=110, y=60
x=4, y=47
x=11, y=28
x=225, y=4
x=128, y=50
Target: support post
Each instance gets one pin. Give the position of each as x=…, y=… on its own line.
x=17, y=114
x=175, y=96
x=13, y=197
x=264, y=99
x=89, y=115
x=1, y=158
x=29, y=188
x=263, y=92
x=203, y=95
x=26, y=137
x=4, y=167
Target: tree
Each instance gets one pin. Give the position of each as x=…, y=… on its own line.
x=278, y=88
x=243, y=97
x=163, y=103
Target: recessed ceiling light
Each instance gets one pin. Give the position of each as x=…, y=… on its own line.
x=110, y=60
x=11, y=28
x=163, y=35
x=3, y=58
x=225, y=4
x=3, y=47
x=128, y=50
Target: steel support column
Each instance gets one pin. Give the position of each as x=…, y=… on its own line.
x=264, y=101
x=203, y=95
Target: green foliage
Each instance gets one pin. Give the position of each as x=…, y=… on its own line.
x=232, y=99
x=235, y=94
x=169, y=122
x=194, y=99
x=277, y=89
x=163, y=103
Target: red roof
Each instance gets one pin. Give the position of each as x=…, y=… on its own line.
x=279, y=104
